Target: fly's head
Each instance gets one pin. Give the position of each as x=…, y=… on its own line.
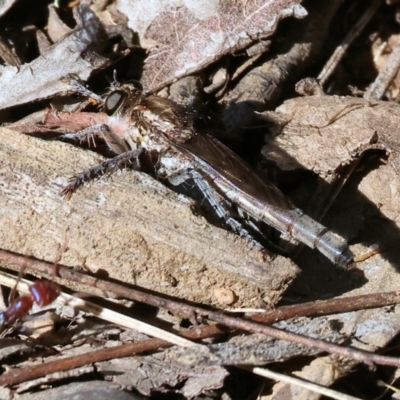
x=148, y=112
x=122, y=98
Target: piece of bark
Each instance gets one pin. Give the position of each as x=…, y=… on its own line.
x=76, y=53
x=255, y=349
x=128, y=225
x=324, y=133
x=5, y=5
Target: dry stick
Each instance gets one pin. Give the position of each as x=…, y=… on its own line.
x=22, y=375
x=386, y=76
x=328, y=307
x=340, y=51
x=217, y=316
x=313, y=308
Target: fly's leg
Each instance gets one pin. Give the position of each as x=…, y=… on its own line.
x=78, y=87
x=212, y=197
x=129, y=159
x=114, y=142
x=126, y=158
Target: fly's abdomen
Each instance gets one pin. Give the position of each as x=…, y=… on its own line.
x=310, y=232
x=291, y=222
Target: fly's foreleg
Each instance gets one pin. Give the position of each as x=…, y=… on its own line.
x=78, y=87
x=113, y=141
x=129, y=159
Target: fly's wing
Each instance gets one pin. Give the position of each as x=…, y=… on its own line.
x=215, y=156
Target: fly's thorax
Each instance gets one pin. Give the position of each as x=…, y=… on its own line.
x=140, y=137
x=119, y=124
x=135, y=130
x=176, y=132
x=171, y=163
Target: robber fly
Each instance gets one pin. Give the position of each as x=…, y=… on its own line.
x=147, y=130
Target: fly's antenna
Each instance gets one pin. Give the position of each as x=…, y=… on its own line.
x=114, y=83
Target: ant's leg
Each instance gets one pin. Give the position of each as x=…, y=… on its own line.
x=12, y=295
x=114, y=142
x=129, y=159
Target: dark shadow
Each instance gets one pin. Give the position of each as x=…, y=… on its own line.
x=355, y=218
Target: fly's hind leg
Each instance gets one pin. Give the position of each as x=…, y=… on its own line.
x=212, y=196
x=129, y=159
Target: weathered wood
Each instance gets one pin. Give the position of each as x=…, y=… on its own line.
x=128, y=225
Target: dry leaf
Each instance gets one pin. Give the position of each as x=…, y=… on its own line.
x=322, y=133
x=56, y=28
x=186, y=36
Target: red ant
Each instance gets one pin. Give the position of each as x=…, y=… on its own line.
x=42, y=292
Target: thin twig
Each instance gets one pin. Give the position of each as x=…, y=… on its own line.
x=329, y=307
x=333, y=394
x=386, y=76
x=340, y=51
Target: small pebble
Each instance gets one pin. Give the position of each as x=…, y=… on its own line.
x=225, y=296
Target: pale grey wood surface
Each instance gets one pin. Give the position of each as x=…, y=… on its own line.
x=128, y=225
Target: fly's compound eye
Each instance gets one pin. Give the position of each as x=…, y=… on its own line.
x=114, y=101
